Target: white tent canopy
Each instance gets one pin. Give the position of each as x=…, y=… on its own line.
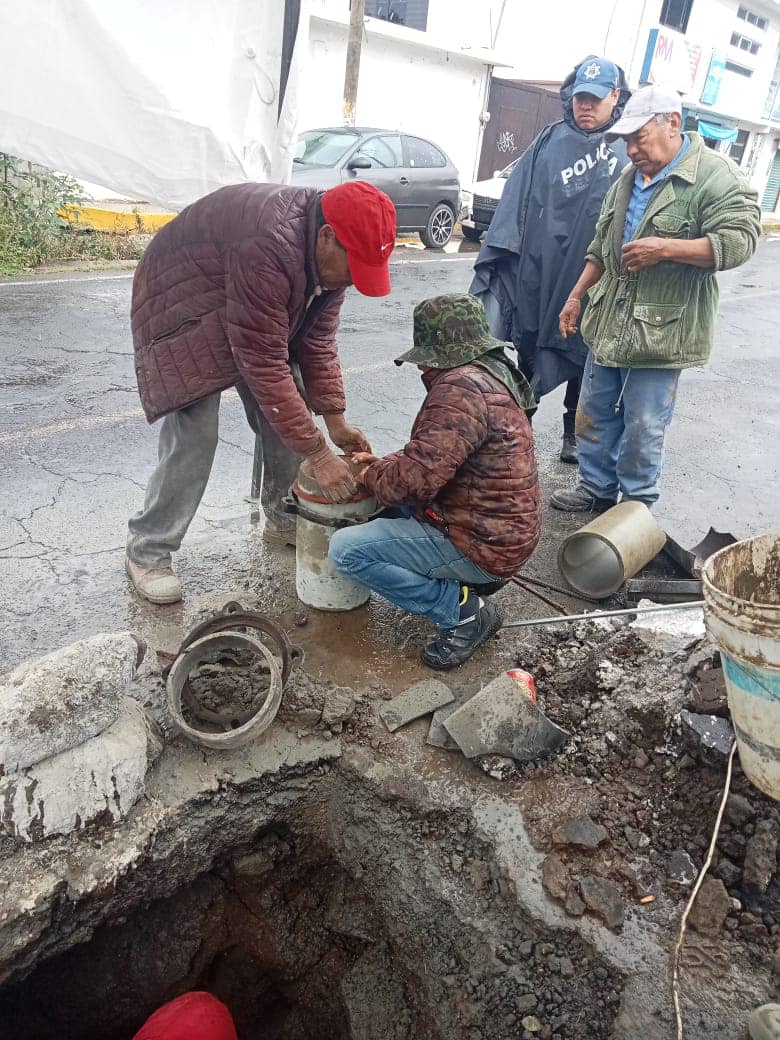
x=160, y=100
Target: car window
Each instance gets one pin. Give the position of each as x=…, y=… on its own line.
x=323, y=147
x=384, y=152
x=423, y=154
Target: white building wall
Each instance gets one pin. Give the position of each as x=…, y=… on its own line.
x=438, y=94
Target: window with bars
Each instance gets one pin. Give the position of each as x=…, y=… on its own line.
x=745, y=43
x=675, y=14
x=752, y=18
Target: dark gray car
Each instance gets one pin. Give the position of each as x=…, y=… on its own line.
x=416, y=174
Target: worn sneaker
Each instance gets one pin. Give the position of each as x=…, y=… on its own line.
x=278, y=537
x=157, y=584
x=580, y=500
x=478, y=622
x=569, y=450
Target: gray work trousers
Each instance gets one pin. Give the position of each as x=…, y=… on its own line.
x=188, y=442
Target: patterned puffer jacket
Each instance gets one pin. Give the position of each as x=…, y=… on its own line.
x=471, y=460
x=226, y=292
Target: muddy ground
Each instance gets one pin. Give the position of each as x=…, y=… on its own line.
x=392, y=889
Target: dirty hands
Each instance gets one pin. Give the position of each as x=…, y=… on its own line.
x=569, y=317
x=363, y=459
x=332, y=474
x=348, y=438
x=642, y=253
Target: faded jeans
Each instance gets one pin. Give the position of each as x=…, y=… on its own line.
x=188, y=442
x=621, y=422
x=413, y=565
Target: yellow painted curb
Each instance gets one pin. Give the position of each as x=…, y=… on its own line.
x=115, y=222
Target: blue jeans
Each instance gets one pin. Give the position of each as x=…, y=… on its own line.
x=621, y=421
x=413, y=565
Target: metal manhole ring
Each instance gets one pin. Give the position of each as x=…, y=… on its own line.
x=193, y=656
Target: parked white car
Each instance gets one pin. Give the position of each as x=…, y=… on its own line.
x=479, y=203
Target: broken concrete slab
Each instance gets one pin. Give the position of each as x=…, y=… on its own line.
x=502, y=719
x=555, y=877
x=715, y=735
x=760, y=857
x=57, y=702
x=669, y=630
x=711, y=907
x=581, y=832
x=437, y=734
x=420, y=699
x=681, y=869
x=604, y=899
x=101, y=778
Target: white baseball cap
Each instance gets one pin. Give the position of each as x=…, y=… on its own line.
x=643, y=105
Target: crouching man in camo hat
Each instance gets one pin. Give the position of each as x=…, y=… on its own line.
x=464, y=491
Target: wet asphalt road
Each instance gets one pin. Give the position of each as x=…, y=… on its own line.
x=77, y=451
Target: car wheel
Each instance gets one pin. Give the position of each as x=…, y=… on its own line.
x=438, y=231
x=471, y=234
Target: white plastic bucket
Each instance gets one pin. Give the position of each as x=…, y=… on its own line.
x=317, y=581
x=742, y=614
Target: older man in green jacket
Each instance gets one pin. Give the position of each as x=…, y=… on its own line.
x=677, y=215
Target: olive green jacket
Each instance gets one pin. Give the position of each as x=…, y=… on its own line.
x=664, y=316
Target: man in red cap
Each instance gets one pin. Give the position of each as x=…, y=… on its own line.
x=192, y=1016
x=244, y=288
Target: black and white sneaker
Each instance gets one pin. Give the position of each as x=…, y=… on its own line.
x=478, y=622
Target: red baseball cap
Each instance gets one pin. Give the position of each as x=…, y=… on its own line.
x=363, y=218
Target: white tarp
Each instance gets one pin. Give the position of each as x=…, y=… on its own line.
x=158, y=100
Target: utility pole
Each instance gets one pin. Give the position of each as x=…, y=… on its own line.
x=354, y=45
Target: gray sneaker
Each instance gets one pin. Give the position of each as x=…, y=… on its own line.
x=157, y=584
x=580, y=500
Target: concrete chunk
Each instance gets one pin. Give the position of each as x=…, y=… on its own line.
x=104, y=775
x=669, y=630
x=503, y=720
x=581, y=832
x=418, y=700
x=437, y=734
x=57, y=702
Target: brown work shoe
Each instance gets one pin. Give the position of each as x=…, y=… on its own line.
x=157, y=584
x=278, y=537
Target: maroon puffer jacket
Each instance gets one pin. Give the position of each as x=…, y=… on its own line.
x=221, y=295
x=471, y=459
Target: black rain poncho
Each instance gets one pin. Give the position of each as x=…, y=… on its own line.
x=534, y=250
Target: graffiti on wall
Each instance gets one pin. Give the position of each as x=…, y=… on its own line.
x=506, y=141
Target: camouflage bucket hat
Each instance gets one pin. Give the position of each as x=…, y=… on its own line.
x=449, y=331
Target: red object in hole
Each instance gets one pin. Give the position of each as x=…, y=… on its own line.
x=192, y=1016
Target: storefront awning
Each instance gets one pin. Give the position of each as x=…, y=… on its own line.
x=717, y=133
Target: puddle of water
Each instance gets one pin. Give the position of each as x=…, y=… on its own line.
x=376, y=644
x=348, y=649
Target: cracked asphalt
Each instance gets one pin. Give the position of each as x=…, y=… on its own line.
x=77, y=450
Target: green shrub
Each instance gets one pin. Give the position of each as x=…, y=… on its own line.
x=30, y=225
x=32, y=230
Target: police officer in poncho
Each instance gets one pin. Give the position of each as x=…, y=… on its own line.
x=535, y=246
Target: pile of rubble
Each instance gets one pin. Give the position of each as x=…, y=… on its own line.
x=74, y=748
x=352, y=873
